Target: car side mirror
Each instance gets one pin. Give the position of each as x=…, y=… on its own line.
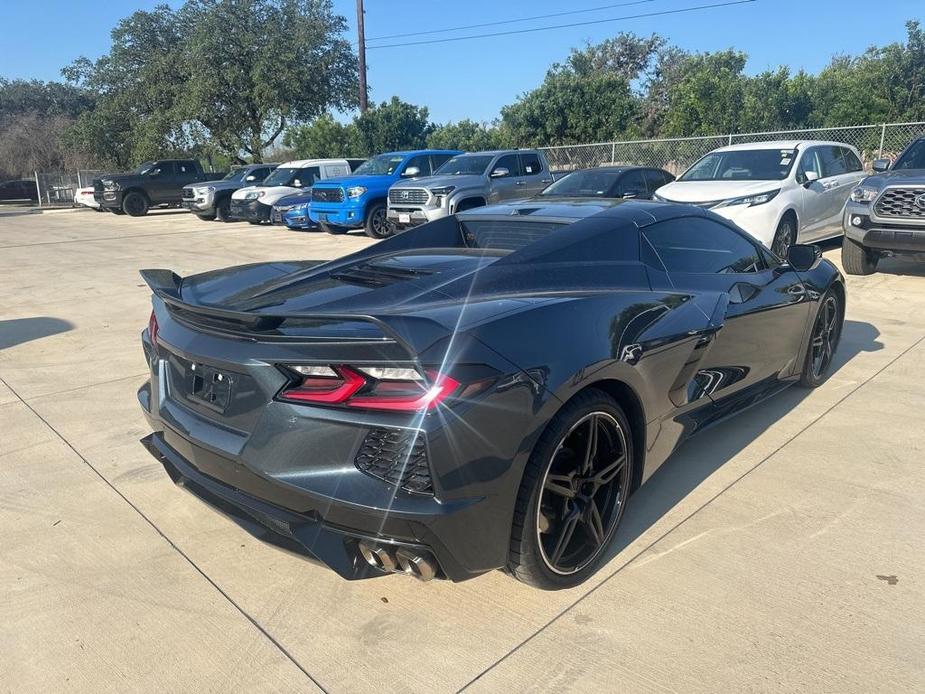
x=632, y=194
x=881, y=165
x=802, y=256
x=154, y=172
x=250, y=177
x=500, y=172
x=809, y=177
x=411, y=172
x=297, y=183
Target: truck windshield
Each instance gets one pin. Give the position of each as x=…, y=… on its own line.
x=142, y=169
x=465, y=164
x=236, y=174
x=378, y=166
x=584, y=184
x=742, y=165
x=913, y=157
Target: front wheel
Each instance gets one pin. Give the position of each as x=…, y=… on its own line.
x=784, y=238
x=135, y=204
x=206, y=217
x=823, y=340
x=573, y=494
x=378, y=225
x=856, y=259
x=223, y=210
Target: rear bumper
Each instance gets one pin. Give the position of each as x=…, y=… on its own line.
x=873, y=233
x=250, y=210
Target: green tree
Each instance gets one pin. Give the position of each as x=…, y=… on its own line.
x=466, y=135
x=625, y=55
x=323, y=137
x=393, y=125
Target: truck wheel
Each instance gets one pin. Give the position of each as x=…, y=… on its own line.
x=135, y=204
x=856, y=259
x=223, y=210
x=206, y=217
x=377, y=224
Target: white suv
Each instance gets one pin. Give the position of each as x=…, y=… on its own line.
x=780, y=192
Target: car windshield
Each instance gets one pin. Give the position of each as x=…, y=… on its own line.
x=378, y=166
x=507, y=235
x=236, y=174
x=465, y=164
x=913, y=157
x=742, y=165
x=142, y=169
x=300, y=178
x=584, y=184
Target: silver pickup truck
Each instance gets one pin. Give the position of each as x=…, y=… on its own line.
x=467, y=181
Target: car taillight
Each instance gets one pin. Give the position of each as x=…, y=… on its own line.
x=374, y=388
x=152, y=329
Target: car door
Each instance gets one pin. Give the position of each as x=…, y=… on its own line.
x=813, y=210
x=838, y=182
x=767, y=310
x=655, y=179
x=632, y=185
x=508, y=186
x=161, y=180
x=535, y=178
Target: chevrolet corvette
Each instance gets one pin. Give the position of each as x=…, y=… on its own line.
x=482, y=392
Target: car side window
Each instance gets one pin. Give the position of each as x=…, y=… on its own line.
x=809, y=162
x=655, y=179
x=511, y=162
x=184, y=168
x=833, y=164
x=422, y=161
x=632, y=183
x=531, y=163
x=701, y=245
x=851, y=160
x=438, y=160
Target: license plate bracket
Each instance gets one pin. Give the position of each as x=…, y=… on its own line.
x=404, y=218
x=209, y=386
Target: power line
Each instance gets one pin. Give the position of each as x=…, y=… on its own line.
x=512, y=21
x=562, y=26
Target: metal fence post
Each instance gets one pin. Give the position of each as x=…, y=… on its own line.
x=882, y=137
x=730, y=138
x=613, y=152
x=38, y=191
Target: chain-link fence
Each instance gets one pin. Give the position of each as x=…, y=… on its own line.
x=57, y=189
x=676, y=154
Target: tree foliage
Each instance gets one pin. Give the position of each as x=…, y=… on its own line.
x=466, y=135
x=324, y=137
x=393, y=125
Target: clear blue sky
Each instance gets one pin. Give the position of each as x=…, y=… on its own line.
x=473, y=79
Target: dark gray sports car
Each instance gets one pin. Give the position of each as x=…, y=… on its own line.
x=481, y=392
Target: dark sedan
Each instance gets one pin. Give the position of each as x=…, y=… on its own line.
x=484, y=391
x=622, y=182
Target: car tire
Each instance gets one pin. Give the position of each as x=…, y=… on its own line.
x=857, y=260
x=255, y=222
x=540, y=525
x=823, y=339
x=223, y=210
x=206, y=217
x=378, y=225
x=784, y=237
x=135, y=204
x=115, y=210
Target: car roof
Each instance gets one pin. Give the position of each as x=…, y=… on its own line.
x=779, y=144
x=302, y=163
x=640, y=212
x=412, y=152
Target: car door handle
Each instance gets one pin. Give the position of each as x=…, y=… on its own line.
x=520, y=183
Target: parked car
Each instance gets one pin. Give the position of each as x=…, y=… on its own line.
x=484, y=391
x=83, y=197
x=779, y=192
x=623, y=182
x=254, y=203
x=359, y=201
x=467, y=181
x=292, y=211
x=152, y=184
x=23, y=190
x=885, y=214
x=212, y=199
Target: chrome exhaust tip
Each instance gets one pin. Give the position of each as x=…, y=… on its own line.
x=378, y=557
x=414, y=564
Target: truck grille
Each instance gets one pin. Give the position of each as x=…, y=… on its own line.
x=901, y=202
x=327, y=194
x=398, y=456
x=188, y=194
x=408, y=196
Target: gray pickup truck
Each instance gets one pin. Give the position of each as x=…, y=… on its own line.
x=885, y=214
x=212, y=199
x=466, y=181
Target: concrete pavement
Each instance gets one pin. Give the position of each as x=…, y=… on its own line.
x=779, y=551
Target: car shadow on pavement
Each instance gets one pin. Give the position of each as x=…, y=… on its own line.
x=703, y=454
x=18, y=330
x=901, y=266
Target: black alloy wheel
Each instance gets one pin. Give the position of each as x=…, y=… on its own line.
x=784, y=238
x=823, y=341
x=378, y=225
x=135, y=204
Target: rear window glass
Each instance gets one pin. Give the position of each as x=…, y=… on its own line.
x=504, y=234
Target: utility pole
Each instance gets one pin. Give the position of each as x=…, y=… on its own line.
x=361, y=52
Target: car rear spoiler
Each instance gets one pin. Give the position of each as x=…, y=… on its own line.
x=412, y=333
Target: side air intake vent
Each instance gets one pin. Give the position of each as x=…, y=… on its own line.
x=398, y=456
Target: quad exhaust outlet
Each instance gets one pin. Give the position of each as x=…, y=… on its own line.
x=406, y=560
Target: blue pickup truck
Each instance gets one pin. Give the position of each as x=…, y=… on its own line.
x=360, y=200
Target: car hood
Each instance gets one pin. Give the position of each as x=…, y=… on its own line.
x=462, y=181
x=303, y=196
x=270, y=193
x=218, y=185
x=368, y=180
x=713, y=191
x=892, y=178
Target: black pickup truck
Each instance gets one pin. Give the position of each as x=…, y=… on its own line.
x=152, y=184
